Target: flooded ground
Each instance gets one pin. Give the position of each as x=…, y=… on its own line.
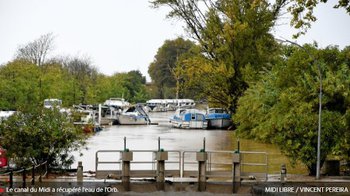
x=145, y=137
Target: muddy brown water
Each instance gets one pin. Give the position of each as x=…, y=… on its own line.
x=145, y=137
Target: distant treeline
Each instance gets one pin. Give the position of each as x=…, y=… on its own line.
x=24, y=84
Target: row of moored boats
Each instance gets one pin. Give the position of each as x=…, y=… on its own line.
x=117, y=111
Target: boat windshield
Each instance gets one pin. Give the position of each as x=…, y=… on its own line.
x=217, y=110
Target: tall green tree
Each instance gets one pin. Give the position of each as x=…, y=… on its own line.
x=19, y=84
x=282, y=108
x=235, y=41
x=83, y=79
x=163, y=69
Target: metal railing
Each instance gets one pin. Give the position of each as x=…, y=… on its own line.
x=183, y=164
x=10, y=173
x=140, y=166
x=254, y=164
x=218, y=166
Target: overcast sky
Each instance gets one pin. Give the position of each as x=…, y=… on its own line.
x=123, y=35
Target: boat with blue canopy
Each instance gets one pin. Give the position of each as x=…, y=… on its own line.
x=188, y=118
x=218, y=118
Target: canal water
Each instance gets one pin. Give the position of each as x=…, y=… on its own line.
x=145, y=137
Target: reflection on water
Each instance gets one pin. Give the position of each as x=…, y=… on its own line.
x=145, y=137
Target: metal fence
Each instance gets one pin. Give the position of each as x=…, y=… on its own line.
x=37, y=173
x=182, y=164
x=108, y=163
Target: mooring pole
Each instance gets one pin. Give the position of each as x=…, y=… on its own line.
x=124, y=143
x=99, y=114
x=204, y=144
x=158, y=144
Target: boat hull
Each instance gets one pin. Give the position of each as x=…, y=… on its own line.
x=220, y=123
x=132, y=120
x=189, y=124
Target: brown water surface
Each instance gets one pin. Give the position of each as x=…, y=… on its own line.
x=145, y=137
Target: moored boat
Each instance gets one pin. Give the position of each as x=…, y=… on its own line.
x=86, y=118
x=189, y=118
x=134, y=115
x=164, y=105
x=156, y=105
x=218, y=118
x=185, y=103
x=118, y=104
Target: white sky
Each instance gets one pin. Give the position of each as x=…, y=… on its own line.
x=123, y=35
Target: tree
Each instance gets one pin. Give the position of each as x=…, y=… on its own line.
x=282, y=108
x=235, y=41
x=83, y=79
x=19, y=84
x=162, y=69
x=37, y=50
x=135, y=85
x=40, y=135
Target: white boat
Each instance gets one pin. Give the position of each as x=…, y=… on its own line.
x=55, y=103
x=164, y=105
x=118, y=103
x=218, y=118
x=189, y=119
x=134, y=115
x=86, y=118
x=185, y=103
x=114, y=107
x=156, y=105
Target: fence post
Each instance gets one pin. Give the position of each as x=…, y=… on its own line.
x=33, y=175
x=46, y=170
x=24, y=177
x=283, y=173
x=236, y=176
x=80, y=172
x=161, y=156
x=202, y=158
x=126, y=157
x=11, y=178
